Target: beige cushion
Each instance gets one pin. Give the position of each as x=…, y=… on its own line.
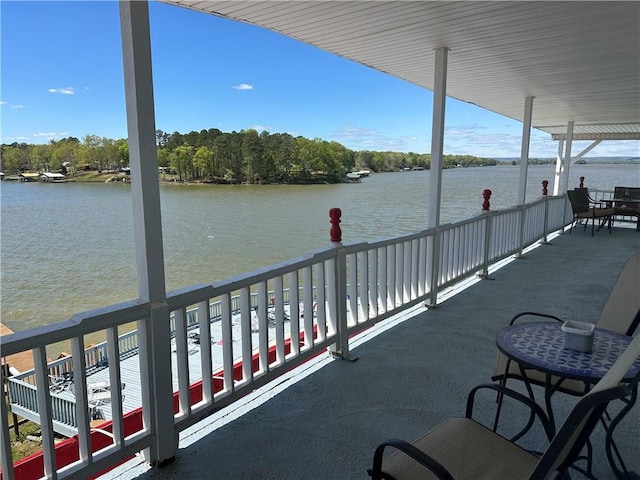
x=468, y=451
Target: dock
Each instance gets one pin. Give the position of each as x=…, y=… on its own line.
x=19, y=362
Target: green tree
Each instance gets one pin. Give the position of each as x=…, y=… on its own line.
x=181, y=161
x=203, y=162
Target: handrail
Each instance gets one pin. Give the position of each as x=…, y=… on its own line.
x=260, y=322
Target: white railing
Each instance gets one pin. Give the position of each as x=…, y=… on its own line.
x=262, y=327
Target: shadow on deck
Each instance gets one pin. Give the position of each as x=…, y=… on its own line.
x=407, y=378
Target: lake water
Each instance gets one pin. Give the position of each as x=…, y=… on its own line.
x=66, y=248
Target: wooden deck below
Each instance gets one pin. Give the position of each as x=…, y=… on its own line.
x=19, y=362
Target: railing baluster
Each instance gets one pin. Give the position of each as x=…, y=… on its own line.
x=278, y=286
x=83, y=418
x=227, y=343
x=383, y=284
x=332, y=299
x=204, y=327
x=294, y=313
x=182, y=362
x=352, y=292
x=6, y=456
x=363, y=272
x=321, y=303
x=45, y=411
x=246, y=328
x=115, y=381
x=412, y=271
x=373, y=283
x=389, y=284
x=397, y=266
x=263, y=328
x=307, y=324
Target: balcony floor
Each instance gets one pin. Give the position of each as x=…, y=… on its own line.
x=410, y=375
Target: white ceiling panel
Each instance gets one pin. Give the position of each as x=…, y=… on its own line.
x=579, y=59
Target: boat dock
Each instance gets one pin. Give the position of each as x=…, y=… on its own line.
x=18, y=362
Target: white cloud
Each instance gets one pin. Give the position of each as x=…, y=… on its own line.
x=64, y=91
x=45, y=134
x=260, y=128
x=12, y=105
x=14, y=139
x=243, y=86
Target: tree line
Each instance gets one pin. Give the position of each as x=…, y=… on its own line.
x=213, y=156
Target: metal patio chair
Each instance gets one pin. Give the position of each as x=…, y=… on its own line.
x=462, y=448
x=585, y=208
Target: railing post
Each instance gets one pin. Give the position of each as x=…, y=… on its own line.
x=487, y=245
x=155, y=351
x=6, y=458
x=486, y=194
x=523, y=215
x=341, y=347
x=545, y=226
x=435, y=268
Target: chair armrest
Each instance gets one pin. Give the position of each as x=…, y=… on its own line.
x=418, y=455
x=536, y=314
x=535, y=408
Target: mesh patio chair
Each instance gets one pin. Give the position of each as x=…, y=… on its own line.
x=620, y=314
x=584, y=208
x=462, y=448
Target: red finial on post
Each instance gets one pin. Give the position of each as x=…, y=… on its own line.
x=486, y=194
x=336, y=231
x=545, y=184
x=581, y=182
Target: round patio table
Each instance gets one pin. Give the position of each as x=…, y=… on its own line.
x=539, y=346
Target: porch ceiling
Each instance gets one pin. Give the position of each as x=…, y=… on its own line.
x=579, y=59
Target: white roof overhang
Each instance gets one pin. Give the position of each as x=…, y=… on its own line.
x=579, y=59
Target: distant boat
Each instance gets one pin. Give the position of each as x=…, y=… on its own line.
x=352, y=177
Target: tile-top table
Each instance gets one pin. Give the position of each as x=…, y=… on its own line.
x=539, y=346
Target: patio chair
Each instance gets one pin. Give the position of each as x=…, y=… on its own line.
x=462, y=448
x=621, y=314
x=584, y=208
x=627, y=208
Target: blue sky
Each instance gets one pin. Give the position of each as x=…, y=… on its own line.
x=62, y=76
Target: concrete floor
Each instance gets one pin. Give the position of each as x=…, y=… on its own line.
x=408, y=378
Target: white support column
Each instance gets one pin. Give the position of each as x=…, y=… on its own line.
x=155, y=355
x=437, y=136
x=559, y=168
x=567, y=157
x=435, y=172
x=524, y=150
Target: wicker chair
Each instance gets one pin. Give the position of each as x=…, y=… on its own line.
x=627, y=209
x=584, y=208
x=462, y=448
